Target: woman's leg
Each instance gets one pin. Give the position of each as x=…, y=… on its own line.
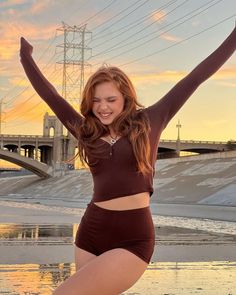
x=82, y=257
x=111, y=273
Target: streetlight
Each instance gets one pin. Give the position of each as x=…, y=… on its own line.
x=178, y=126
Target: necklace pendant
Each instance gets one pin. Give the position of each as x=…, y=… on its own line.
x=113, y=141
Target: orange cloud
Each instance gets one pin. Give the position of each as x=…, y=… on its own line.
x=153, y=78
x=19, y=81
x=159, y=16
x=10, y=35
x=10, y=3
x=24, y=109
x=228, y=84
x=170, y=38
x=8, y=48
x=26, y=100
x=174, y=76
x=225, y=73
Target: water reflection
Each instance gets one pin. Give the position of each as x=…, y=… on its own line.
x=211, y=278
x=41, y=234
x=205, y=278
x=64, y=234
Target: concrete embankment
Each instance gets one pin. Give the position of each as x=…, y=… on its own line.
x=208, y=179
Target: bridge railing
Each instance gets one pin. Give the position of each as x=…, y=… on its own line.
x=195, y=141
x=162, y=140
x=28, y=136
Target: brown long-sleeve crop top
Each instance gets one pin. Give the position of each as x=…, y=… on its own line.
x=116, y=176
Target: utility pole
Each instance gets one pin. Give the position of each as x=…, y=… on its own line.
x=74, y=54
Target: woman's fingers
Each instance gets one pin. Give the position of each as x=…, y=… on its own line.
x=26, y=46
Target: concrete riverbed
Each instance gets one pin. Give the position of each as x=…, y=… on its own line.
x=193, y=209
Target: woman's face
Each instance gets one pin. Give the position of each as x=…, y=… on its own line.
x=108, y=102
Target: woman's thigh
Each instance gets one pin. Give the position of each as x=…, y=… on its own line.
x=82, y=257
x=111, y=273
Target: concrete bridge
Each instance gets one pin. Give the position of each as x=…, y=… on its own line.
x=40, y=153
x=38, y=168
x=48, y=149
x=172, y=148
x=30, y=151
x=43, y=155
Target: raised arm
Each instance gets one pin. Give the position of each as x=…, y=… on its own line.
x=162, y=111
x=63, y=110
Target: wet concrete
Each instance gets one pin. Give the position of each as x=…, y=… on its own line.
x=35, y=258
x=211, y=278
x=25, y=243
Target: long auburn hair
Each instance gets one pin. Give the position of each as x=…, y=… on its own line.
x=131, y=122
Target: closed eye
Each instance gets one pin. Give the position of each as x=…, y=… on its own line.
x=97, y=100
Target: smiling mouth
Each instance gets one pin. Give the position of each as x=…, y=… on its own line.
x=105, y=115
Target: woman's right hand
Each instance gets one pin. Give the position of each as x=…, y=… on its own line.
x=25, y=46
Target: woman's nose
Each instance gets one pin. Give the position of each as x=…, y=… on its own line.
x=103, y=106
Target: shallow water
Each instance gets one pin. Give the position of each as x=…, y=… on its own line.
x=208, y=278
x=28, y=253
x=218, y=226
x=22, y=234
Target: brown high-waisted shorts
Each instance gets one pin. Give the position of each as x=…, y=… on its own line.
x=103, y=229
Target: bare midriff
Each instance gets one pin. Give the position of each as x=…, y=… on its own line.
x=136, y=201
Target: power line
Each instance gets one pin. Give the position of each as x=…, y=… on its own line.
x=9, y=113
x=26, y=88
x=123, y=10
x=154, y=38
x=12, y=99
x=27, y=122
x=77, y=34
x=114, y=47
x=80, y=8
x=97, y=13
x=133, y=24
x=19, y=94
x=55, y=36
x=23, y=79
x=177, y=43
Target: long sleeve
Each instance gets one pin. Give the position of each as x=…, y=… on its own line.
x=162, y=111
x=63, y=110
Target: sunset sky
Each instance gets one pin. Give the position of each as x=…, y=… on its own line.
x=149, y=43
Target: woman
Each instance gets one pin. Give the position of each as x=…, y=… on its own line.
x=118, y=139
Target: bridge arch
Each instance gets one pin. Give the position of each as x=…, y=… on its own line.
x=38, y=168
x=201, y=150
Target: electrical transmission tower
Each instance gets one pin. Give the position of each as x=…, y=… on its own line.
x=75, y=52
